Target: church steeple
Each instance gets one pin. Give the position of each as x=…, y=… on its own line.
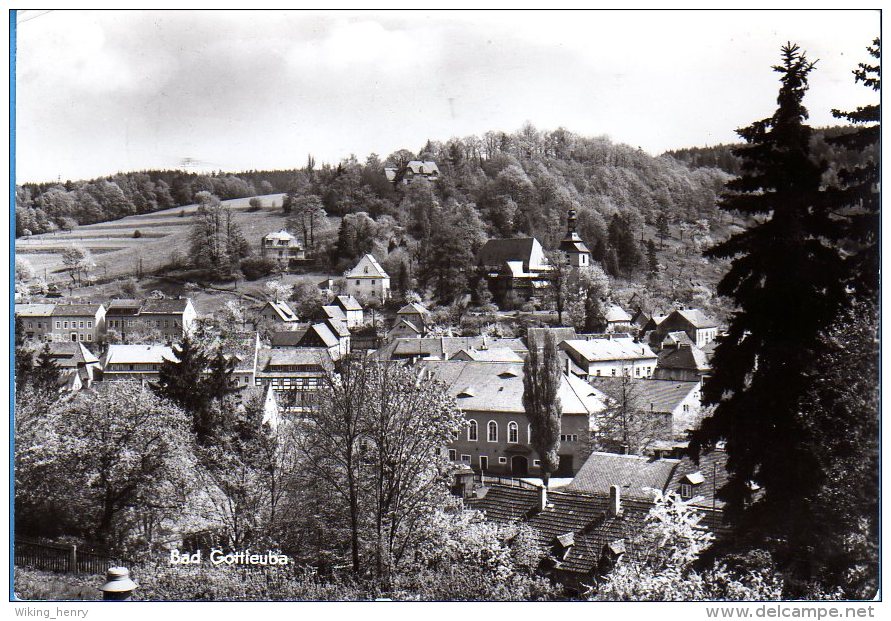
x=577, y=254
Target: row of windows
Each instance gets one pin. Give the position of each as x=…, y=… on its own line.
x=39, y=325
x=483, y=460
x=74, y=336
x=119, y=323
x=569, y=437
x=513, y=432
x=64, y=324
x=626, y=371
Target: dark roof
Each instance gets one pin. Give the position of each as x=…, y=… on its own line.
x=713, y=467
x=268, y=359
x=696, y=318
x=535, y=336
x=687, y=357
x=165, y=306
x=123, y=306
x=69, y=354
x=572, y=243
x=288, y=338
x=498, y=251
x=504, y=504
x=76, y=310
x=632, y=473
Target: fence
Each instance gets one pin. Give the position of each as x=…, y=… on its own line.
x=486, y=479
x=62, y=558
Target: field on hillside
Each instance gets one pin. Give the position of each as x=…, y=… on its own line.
x=118, y=253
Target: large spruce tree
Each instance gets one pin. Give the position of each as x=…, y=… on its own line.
x=788, y=280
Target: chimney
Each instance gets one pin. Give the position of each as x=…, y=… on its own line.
x=485, y=345
x=542, y=498
x=568, y=367
x=615, y=501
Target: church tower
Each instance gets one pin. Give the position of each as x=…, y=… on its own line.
x=572, y=246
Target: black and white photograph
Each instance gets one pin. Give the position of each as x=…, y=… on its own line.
x=435, y=306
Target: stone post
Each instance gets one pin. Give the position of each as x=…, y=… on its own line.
x=118, y=586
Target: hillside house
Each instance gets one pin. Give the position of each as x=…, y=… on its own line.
x=415, y=169
x=498, y=436
x=36, y=320
x=368, y=281
x=277, y=312
x=701, y=329
x=329, y=336
x=172, y=317
x=351, y=308
x=415, y=314
x=445, y=347
x=122, y=316
x=78, y=322
x=282, y=247
x=617, y=319
x=612, y=357
x=404, y=330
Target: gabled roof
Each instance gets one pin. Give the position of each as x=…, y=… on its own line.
x=493, y=354
x=535, y=336
x=403, y=326
x=697, y=318
x=123, y=306
x=269, y=359
x=348, y=303
x=688, y=357
x=573, y=244
x=325, y=334
x=677, y=338
x=425, y=167
x=330, y=311
x=175, y=306
x=712, y=468
x=504, y=504
x=499, y=251
x=76, y=310
x=444, y=347
x=281, y=235
x=138, y=354
x=413, y=308
x=652, y=395
x=69, y=354
x=338, y=327
x=288, y=338
x=34, y=310
x=615, y=314
x=498, y=387
x=632, y=473
x=283, y=311
x=374, y=268
x=600, y=350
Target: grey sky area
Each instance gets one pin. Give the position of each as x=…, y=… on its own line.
x=113, y=91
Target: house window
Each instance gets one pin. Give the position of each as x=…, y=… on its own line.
x=81, y=324
x=372, y=283
x=528, y=434
x=366, y=270
x=536, y=462
x=570, y=437
x=166, y=324
x=502, y=460
x=598, y=372
x=493, y=431
x=357, y=283
x=89, y=337
x=465, y=459
x=484, y=462
x=513, y=433
x=64, y=324
x=453, y=455
x=614, y=372
x=473, y=431
x=686, y=491
x=637, y=371
x=58, y=324
x=81, y=336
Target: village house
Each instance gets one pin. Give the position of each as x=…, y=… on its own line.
x=35, y=319
x=277, y=312
x=281, y=247
x=682, y=362
x=368, y=281
x=295, y=374
x=403, y=329
x=415, y=169
x=78, y=367
x=612, y=357
x=416, y=314
x=122, y=316
x=672, y=408
x=701, y=329
x=617, y=320
x=329, y=336
x=514, y=265
x=172, y=317
x=78, y=322
x=497, y=438
x=352, y=309
x=490, y=354
x=135, y=362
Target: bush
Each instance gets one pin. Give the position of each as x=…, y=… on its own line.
x=137, y=234
x=255, y=268
x=255, y=204
x=36, y=585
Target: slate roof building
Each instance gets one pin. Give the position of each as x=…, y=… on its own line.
x=135, y=362
x=78, y=322
x=281, y=247
x=498, y=436
x=635, y=475
x=682, y=362
x=445, y=347
x=492, y=354
x=415, y=314
x=171, y=317
x=294, y=373
x=516, y=264
x=617, y=320
x=278, y=312
x=351, y=309
x=700, y=328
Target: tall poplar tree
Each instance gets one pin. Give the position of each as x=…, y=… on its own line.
x=542, y=376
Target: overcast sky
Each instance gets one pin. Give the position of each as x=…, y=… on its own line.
x=114, y=91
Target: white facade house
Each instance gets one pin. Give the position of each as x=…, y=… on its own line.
x=368, y=281
x=610, y=357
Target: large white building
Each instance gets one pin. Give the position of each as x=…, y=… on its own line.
x=368, y=281
x=610, y=357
